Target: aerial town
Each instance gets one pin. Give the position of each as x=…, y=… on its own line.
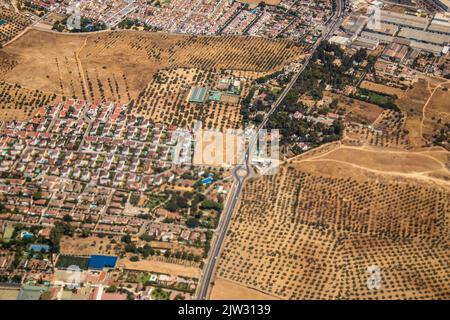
x=110, y=113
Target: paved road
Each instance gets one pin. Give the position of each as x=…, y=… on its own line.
x=217, y=241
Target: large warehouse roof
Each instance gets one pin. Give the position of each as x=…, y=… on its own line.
x=403, y=19
x=424, y=36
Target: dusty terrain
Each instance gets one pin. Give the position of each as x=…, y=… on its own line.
x=152, y=264
x=118, y=66
x=314, y=230
x=87, y=246
x=425, y=107
x=228, y=290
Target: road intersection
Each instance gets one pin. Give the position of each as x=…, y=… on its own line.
x=203, y=288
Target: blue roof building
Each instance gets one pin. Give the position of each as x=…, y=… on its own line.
x=39, y=247
x=100, y=262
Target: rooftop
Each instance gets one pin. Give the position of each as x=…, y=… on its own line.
x=100, y=261
x=198, y=94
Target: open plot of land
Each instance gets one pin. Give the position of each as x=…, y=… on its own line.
x=412, y=103
x=385, y=161
x=436, y=112
x=151, y=264
x=9, y=294
x=87, y=246
x=422, y=121
x=228, y=290
x=176, y=247
x=359, y=111
x=382, y=88
x=118, y=66
x=256, y=2
x=316, y=229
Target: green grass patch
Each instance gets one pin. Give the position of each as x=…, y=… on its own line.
x=160, y=294
x=66, y=261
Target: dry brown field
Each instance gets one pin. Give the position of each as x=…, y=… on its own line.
x=412, y=103
x=123, y=66
x=313, y=230
x=175, y=247
x=256, y=2
x=388, y=130
x=228, y=290
x=152, y=264
x=436, y=112
x=382, y=88
x=165, y=98
x=88, y=246
x=356, y=110
x=423, y=114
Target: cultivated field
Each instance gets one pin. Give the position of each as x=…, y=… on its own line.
x=256, y=2
x=19, y=103
x=165, y=99
x=14, y=23
x=124, y=66
x=316, y=228
x=388, y=130
x=88, y=246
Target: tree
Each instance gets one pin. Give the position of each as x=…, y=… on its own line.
x=111, y=289
x=192, y=222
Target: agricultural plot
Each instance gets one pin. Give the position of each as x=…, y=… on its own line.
x=316, y=229
x=123, y=66
x=18, y=103
x=388, y=130
x=165, y=99
x=11, y=23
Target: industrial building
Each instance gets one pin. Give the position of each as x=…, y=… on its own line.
x=403, y=20
x=440, y=24
x=439, y=5
x=395, y=52
x=383, y=28
x=425, y=36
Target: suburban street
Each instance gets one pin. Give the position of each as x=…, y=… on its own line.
x=207, y=275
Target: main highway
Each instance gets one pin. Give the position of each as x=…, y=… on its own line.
x=242, y=170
